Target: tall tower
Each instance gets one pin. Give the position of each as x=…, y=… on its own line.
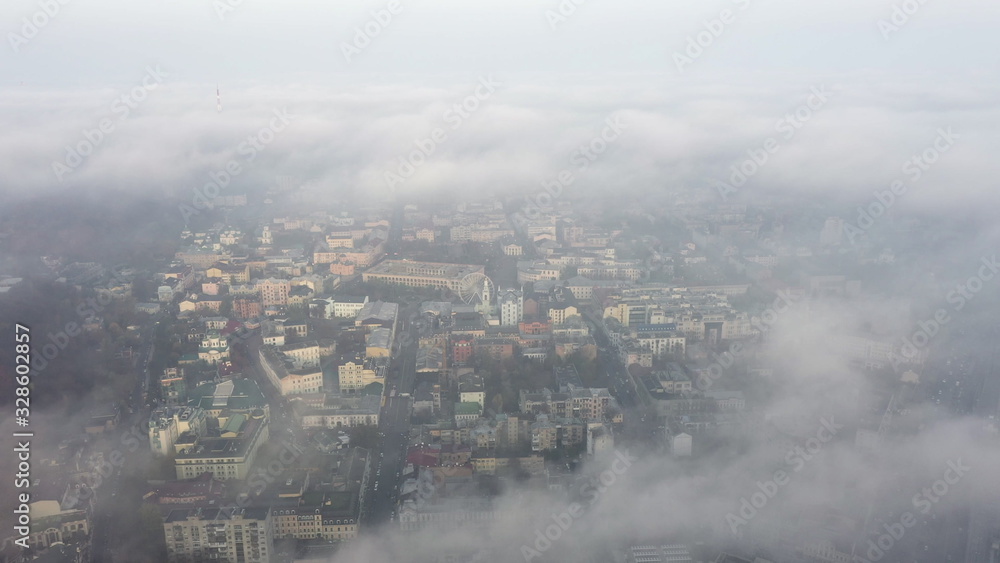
x=218, y=99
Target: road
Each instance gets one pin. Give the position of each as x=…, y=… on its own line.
x=394, y=431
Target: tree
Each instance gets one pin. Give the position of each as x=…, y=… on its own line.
x=226, y=308
x=364, y=436
x=496, y=402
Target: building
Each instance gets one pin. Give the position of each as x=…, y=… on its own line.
x=467, y=512
x=472, y=390
x=422, y=274
x=303, y=354
x=461, y=348
x=544, y=434
x=247, y=307
x=281, y=372
x=214, y=348
x=51, y=525
x=465, y=413
x=680, y=445
x=593, y=404
x=235, y=395
x=222, y=534
x=273, y=291
x=511, y=303
x=559, y=312
x=337, y=412
x=354, y=374
x=600, y=440
x=832, y=233
x=378, y=343
x=377, y=314
x=658, y=554
x=229, y=273
x=727, y=400
x=332, y=516
x=325, y=504
x=199, y=491
x=496, y=347
x=345, y=307
x=173, y=388
x=166, y=424
x=228, y=456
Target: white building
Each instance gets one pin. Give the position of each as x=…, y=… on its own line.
x=214, y=348
x=600, y=440
x=511, y=303
x=303, y=355
x=832, y=233
x=167, y=423
x=276, y=366
x=337, y=412
x=345, y=307
x=680, y=445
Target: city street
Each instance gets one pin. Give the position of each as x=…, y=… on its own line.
x=394, y=429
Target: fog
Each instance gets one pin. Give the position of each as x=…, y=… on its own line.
x=121, y=120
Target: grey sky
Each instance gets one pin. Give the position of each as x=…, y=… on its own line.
x=100, y=41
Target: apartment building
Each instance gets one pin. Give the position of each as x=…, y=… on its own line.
x=303, y=354
x=354, y=374
x=219, y=534
x=273, y=291
x=511, y=307
x=288, y=380
x=173, y=388
x=230, y=274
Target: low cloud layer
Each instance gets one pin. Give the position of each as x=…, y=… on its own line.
x=843, y=137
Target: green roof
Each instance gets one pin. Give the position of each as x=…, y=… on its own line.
x=234, y=424
x=467, y=408
x=241, y=394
